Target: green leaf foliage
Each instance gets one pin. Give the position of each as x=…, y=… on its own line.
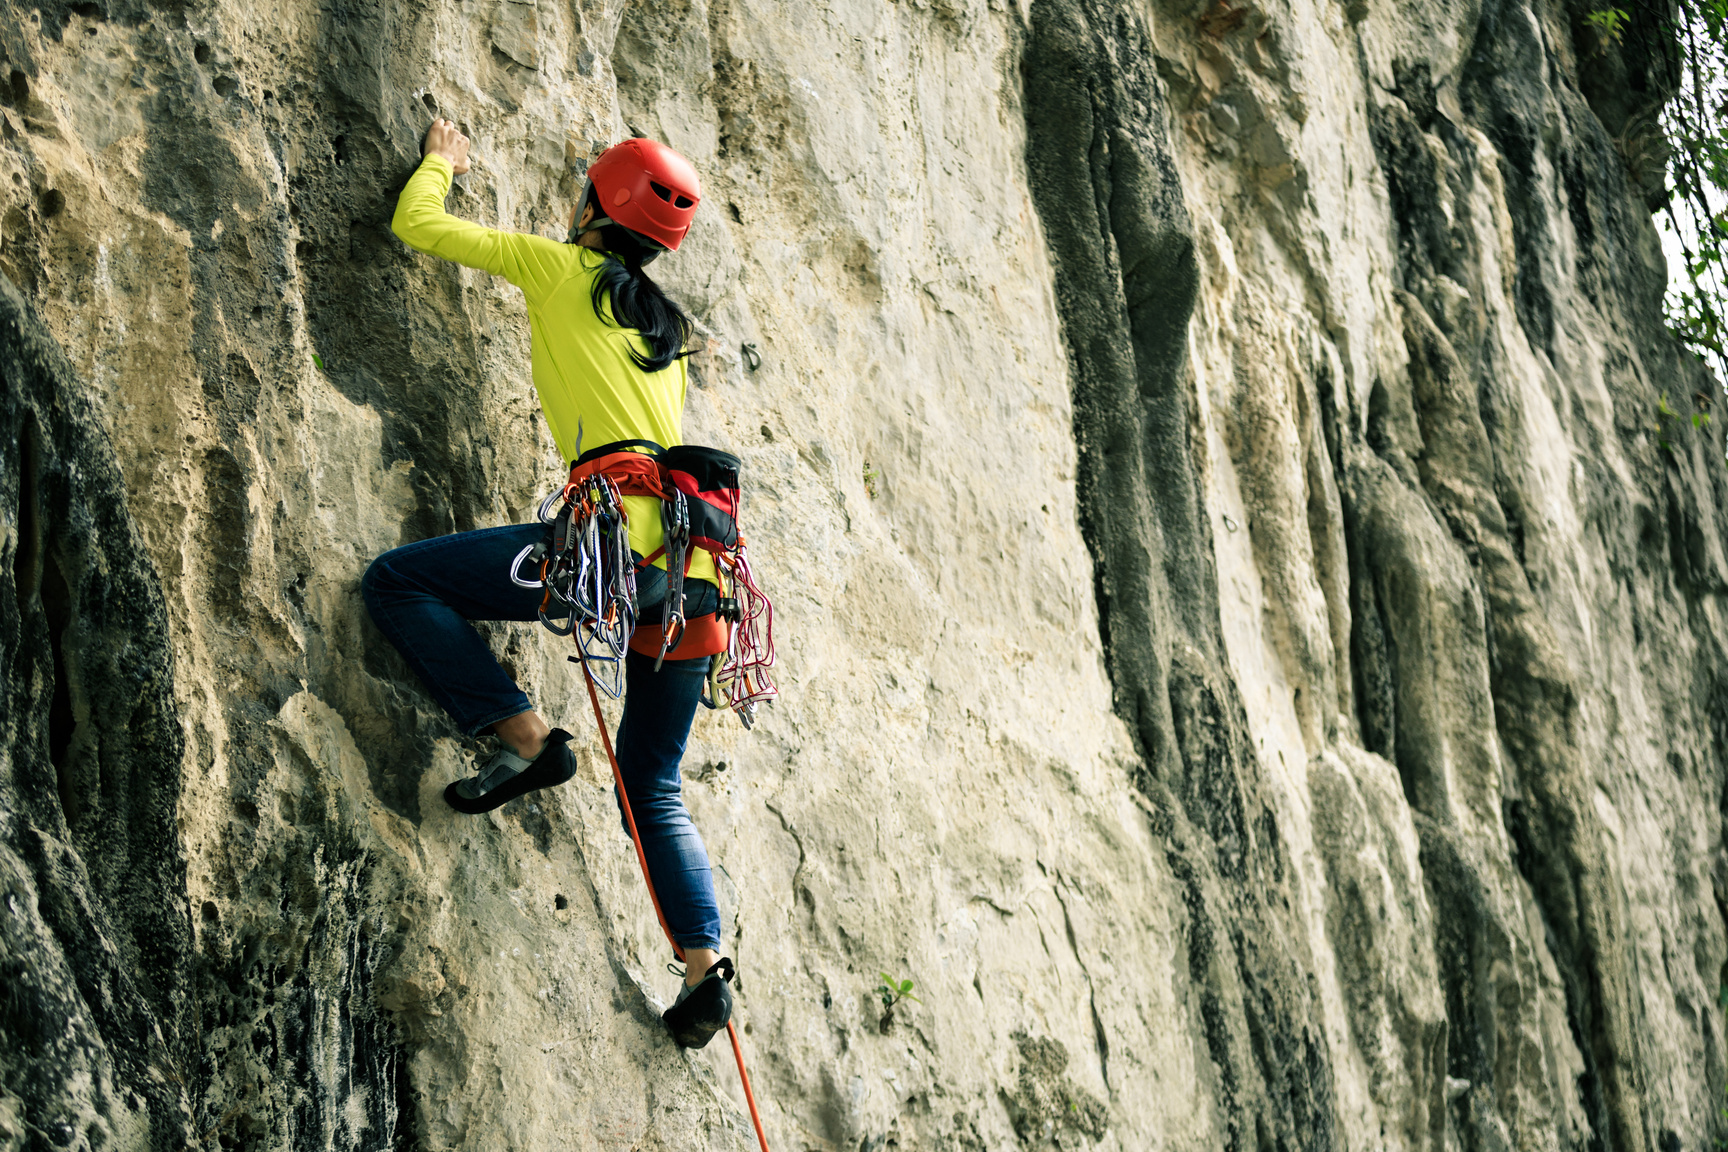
x=1693, y=63
x=892, y=992
x=1609, y=23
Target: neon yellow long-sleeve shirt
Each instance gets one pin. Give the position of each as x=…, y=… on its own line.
x=581, y=362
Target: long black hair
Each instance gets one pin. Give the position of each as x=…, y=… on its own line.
x=638, y=302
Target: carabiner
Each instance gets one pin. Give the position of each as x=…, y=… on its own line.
x=538, y=547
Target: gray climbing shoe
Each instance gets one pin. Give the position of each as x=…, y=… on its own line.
x=704, y=1009
x=506, y=776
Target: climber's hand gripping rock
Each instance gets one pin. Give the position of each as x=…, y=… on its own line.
x=447, y=141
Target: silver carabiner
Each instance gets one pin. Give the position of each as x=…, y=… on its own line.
x=516, y=566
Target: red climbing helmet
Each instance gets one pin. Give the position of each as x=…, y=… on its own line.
x=646, y=187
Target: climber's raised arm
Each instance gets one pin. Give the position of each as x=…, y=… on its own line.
x=532, y=263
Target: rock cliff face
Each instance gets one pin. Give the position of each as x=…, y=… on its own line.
x=1251, y=588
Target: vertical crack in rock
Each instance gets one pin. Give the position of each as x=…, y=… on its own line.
x=1457, y=432
x=1107, y=191
x=1101, y=1040
x=97, y=1032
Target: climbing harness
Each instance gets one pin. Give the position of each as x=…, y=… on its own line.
x=654, y=897
x=740, y=636
x=589, y=579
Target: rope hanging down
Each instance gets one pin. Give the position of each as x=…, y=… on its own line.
x=642, y=859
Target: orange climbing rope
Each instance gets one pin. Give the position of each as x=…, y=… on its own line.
x=642, y=859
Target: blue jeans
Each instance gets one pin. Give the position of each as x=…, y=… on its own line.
x=422, y=597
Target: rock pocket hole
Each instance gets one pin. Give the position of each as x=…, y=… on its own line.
x=561, y=903
x=209, y=912
x=430, y=103
x=53, y=202
x=201, y=53
x=225, y=86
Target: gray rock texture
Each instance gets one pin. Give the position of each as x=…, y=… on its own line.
x=1249, y=562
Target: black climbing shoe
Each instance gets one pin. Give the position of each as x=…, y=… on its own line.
x=701, y=1011
x=506, y=776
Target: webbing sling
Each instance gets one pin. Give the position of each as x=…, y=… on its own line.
x=642, y=859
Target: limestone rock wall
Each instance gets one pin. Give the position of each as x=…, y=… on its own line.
x=1249, y=583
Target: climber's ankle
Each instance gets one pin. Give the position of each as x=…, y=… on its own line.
x=697, y=961
x=524, y=733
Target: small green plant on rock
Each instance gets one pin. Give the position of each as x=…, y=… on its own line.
x=892, y=994
x=1609, y=25
x=1664, y=431
x=871, y=475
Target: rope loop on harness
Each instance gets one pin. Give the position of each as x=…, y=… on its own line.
x=743, y=678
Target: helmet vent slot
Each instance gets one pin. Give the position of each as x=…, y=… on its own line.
x=678, y=200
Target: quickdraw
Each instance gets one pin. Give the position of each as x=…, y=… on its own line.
x=586, y=572
x=675, y=523
x=586, y=569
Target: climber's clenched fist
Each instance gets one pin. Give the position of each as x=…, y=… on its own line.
x=444, y=139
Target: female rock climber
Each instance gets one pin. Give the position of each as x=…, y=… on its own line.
x=608, y=358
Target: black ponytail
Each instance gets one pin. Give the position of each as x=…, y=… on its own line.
x=638, y=302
